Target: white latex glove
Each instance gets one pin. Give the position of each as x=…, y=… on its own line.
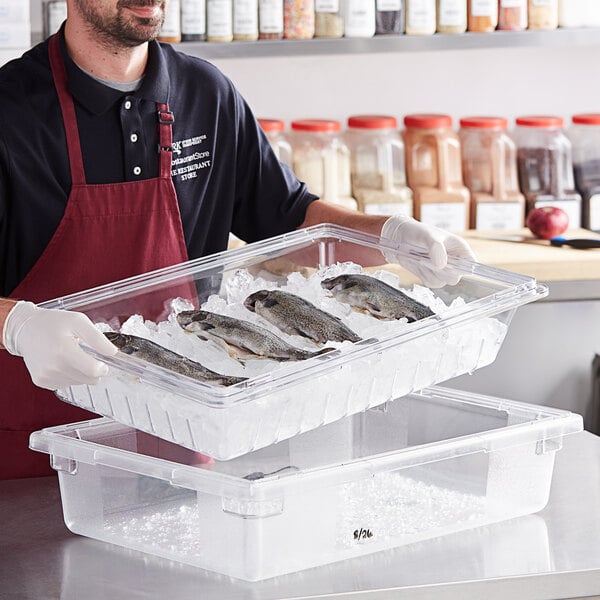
x=438, y=243
x=48, y=341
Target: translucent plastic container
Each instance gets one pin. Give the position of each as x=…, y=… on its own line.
x=482, y=15
x=421, y=17
x=543, y=14
x=419, y=467
x=512, y=15
x=489, y=158
x=573, y=13
x=451, y=16
x=274, y=130
x=544, y=156
x=286, y=398
x=329, y=21
x=359, y=18
x=321, y=159
x=377, y=165
x=389, y=17
x=585, y=137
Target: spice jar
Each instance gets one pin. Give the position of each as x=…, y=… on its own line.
x=193, y=20
x=245, y=20
x=298, y=19
x=585, y=138
x=420, y=17
x=512, y=15
x=273, y=129
x=543, y=14
x=219, y=20
x=270, y=19
x=359, y=18
x=489, y=162
x=451, y=16
x=328, y=19
x=434, y=172
x=544, y=157
x=377, y=165
x=482, y=15
x=321, y=159
x=389, y=17
x=171, y=28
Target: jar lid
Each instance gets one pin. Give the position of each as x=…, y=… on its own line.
x=316, y=125
x=428, y=121
x=271, y=124
x=484, y=122
x=372, y=122
x=540, y=121
x=587, y=119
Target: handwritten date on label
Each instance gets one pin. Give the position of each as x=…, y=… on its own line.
x=362, y=534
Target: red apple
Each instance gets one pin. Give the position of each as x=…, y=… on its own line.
x=547, y=222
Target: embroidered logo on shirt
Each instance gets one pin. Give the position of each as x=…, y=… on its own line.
x=188, y=160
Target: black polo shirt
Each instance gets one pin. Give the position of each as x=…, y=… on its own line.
x=226, y=176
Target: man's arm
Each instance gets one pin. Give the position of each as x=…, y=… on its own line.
x=6, y=305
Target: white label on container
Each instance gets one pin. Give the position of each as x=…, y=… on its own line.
x=172, y=24
x=571, y=207
x=270, y=16
x=595, y=212
x=245, y=17
x=388, y=208
x=484, y=8
x=57, y=13
x=421, y=14
x=385, y=5
x=513, y=4
x=498, y=215
x=331, y=6
x=545, y=2
x=193, y=17
x=451, y=216
x=219, y=18
x=452, y=13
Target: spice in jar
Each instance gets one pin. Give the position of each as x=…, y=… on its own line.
x=359, y=18
x=482, y=15
x=389, y=17
x=171, y=29
x=329, y=22
x=193, y=20
x=420, y=17
x=245, y=20
x=270, y=19
x=219, y=20
x=512, y=15
x=298, y=19
x=543, y=14
x=451, y=16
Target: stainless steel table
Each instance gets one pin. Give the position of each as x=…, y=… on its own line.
x=553, y=554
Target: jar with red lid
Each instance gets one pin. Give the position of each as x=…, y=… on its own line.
x=434, y=172
x=544, y=158
x=584, y=134
x=321, y=159
x=489, y=162
x=377, y=165
x=275, y=131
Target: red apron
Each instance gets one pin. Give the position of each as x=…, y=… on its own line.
x=108, y=232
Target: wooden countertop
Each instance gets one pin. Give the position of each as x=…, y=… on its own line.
x=536, y=258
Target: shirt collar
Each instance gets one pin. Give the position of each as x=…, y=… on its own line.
x=98, y=98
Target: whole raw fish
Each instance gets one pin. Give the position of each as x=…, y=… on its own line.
x=371, y=295
x=296, y=316
x=158, y=355
x=242, y=339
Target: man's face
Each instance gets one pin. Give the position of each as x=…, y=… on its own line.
x=127, y=23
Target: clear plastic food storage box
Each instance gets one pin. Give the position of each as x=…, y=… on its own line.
x=424, y=465
x=281, y=399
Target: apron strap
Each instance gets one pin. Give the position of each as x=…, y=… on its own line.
x=165, y=135
x=67, y=108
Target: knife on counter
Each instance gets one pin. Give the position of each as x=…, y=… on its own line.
x=578, y=243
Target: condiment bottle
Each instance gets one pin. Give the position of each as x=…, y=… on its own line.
x=322, y=160
x=270, y=19
x=512, y=15
x=585, y=138
x=359, y=18
x=482, y=15
x=219, y=20
x=451, y=16
x=420, y=17
x=489, y=160
x=274, y=130
x=245, y=20
x=171, y=29
x=193, y=20
x=543, y=14
x=298, y=19
x=329, y=21
x=544, y=157
x=389, y=17
x=377, y=165
x=434, y=172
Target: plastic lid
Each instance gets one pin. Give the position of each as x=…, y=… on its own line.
x=372, y=122
x=316, y=125
x=484, y=122
x=587, y=119
x=540, y=121
x=271, y=124
x=428, y=121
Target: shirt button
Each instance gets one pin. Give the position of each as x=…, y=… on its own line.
x=133, y=137
x=127, y=104
x=137, y=170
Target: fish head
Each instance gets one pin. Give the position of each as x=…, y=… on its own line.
x=193, y=320
x=117, y=339
x=261, y=297
x=341, y=282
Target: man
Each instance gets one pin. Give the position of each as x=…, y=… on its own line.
x=118, y=156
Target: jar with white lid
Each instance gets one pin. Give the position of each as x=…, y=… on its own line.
x=434, y=172
x=584, y=134
x=377, y=165
x=544, y=158
x=489, y=161
x=274, y=130
x=321, y=159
